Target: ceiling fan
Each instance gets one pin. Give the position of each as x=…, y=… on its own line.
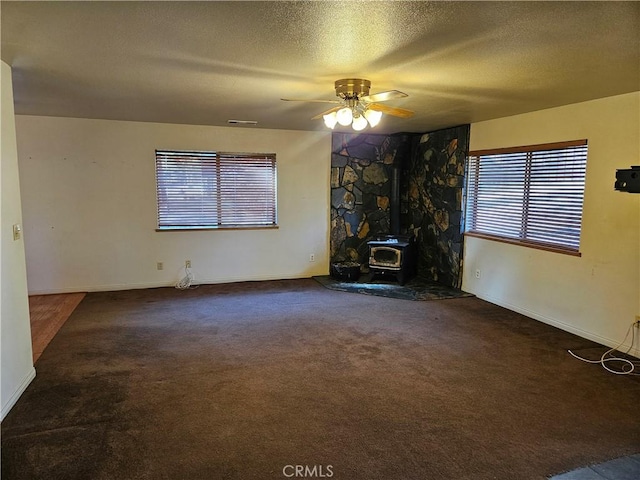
x=356, y=107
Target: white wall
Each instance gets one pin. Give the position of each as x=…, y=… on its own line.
x=89, y=202
x=596, y=295
x=15, y=331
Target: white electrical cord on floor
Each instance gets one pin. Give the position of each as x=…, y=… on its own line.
x=628, y=365
x=187, y=281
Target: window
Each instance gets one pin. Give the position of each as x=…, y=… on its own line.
x=201, y=190
x=528, y=195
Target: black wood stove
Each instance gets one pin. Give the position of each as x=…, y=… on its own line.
x=393, y=255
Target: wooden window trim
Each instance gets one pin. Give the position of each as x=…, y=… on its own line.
x=215, y=190
x=482, y=194
x=529, y=148
x=524, y=243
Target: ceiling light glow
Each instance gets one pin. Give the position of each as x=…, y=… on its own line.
x=373, y=117
x=344, y=116
x=359, y=123
x=330, y=120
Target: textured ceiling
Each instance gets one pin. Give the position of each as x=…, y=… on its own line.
x=208, y=62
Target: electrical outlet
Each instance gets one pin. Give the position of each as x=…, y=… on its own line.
x=478, y=273
x=160, y=266
x=187, y=263
x=312, y=257
x=17, y=231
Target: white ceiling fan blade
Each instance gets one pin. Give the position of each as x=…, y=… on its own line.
x=384, y=96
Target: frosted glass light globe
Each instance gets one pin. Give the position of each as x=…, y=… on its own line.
x=359, y=123
x=344, y=116
x=373, y=117
x=330, y=120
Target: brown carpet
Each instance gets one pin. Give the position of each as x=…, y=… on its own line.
x=238, y=381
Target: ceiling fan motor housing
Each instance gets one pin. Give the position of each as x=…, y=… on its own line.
x=352, y=88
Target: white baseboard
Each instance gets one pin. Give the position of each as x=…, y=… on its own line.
x=563, y=326
x=100, y=288
x=19, y=391
x=135, y=286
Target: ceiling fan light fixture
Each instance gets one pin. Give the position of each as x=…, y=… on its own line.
x=359, y=123
x=344, y=116
x=330, y=120
x=357, y=107
x=373, y=117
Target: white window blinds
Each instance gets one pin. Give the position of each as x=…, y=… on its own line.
x=530, y=195
x=215, y=190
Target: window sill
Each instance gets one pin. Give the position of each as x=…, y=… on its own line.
x=230, y=227
x=530, y=244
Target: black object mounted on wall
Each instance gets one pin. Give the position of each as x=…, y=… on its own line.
x=628, y=179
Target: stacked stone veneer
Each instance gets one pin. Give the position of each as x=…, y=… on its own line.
x=433, y=202
x=361, y=172
x=431, y=170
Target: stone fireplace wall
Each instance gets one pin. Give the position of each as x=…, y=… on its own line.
x=430, y=168
x=362, y=168
x=432, y=202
